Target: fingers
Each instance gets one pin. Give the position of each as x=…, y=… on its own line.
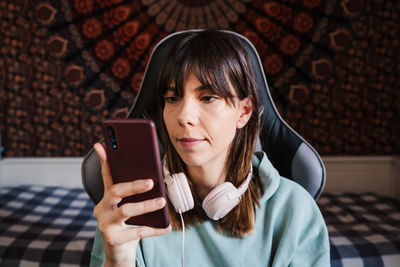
x=145, y=231
x=116, y=232
x=129, y=233
x=131, y=188
x=105, y=168
x=134, y=209
x=117, y=192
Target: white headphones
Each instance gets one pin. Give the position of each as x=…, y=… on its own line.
x=219, y=202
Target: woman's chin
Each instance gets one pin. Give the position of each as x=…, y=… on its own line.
x=192, y=160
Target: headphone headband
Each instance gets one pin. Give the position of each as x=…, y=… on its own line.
x=219, y=202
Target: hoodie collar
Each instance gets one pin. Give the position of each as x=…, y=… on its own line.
x=269, y=176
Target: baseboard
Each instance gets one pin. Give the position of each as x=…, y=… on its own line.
x=380, y=175
x=45, y=171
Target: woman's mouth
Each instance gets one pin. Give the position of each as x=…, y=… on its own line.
x=189, y=142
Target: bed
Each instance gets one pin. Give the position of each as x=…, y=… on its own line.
x=54, y=226
x=45, y=226
x=364, y=229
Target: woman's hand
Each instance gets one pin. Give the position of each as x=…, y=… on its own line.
x=119, y=239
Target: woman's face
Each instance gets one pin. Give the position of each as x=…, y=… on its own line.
x=202, y=125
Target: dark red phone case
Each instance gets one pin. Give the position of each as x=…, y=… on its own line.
x=137, y=157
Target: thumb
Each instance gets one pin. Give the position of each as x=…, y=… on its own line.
x=105, y=168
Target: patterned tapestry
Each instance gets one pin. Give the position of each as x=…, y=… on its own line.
x=332, y=67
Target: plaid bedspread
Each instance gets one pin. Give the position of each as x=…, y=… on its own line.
x=364, y=229
x=45, y=226
x=54, y=226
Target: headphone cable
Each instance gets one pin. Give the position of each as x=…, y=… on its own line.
x=183, y=239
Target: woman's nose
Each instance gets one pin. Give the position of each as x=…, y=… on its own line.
x=187, y=114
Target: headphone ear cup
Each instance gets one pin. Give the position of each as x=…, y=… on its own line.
x=179, y=193
x=221, y=200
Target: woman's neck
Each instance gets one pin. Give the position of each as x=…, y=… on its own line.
x=206, y=177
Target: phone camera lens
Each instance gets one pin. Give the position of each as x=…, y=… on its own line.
x=111, y=135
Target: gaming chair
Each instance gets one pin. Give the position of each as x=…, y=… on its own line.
x=289, y=153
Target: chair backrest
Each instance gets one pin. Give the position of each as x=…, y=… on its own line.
x=290, y=154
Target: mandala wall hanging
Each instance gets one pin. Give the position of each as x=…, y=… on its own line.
x=332, y=66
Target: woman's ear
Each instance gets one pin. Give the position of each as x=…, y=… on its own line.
x=245, y=111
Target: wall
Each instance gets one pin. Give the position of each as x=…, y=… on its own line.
x=332, y=67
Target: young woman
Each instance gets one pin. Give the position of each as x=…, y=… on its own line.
x=209, y=122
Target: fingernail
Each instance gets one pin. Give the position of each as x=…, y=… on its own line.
x=160, y=202
x=148, y=183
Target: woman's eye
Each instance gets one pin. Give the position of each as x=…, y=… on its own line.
x=170, y=99
x=209, y=99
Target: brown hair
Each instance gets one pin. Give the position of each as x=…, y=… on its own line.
x=218, y=60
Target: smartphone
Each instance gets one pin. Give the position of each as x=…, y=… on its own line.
x=133, y=153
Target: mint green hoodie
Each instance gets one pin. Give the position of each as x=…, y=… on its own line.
x=289, y=231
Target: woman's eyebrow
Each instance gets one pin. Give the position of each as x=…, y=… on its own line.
x=203, y=88
x=170, y=89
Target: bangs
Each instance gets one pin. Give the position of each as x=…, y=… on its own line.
x=208, y=77
x=203, y=58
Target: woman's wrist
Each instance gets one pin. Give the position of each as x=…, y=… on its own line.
x=124, y=255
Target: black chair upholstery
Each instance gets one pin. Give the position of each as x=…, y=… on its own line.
x=290, y=154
